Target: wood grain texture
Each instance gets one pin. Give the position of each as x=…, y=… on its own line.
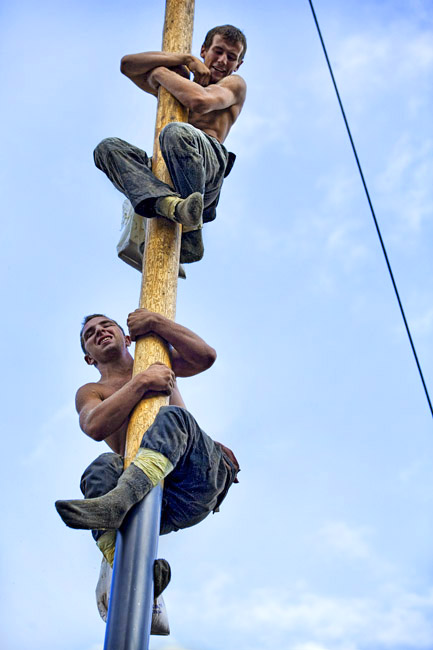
x=162, y=246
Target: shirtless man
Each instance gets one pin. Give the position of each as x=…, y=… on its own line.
x=198, y=471
x=194, y=153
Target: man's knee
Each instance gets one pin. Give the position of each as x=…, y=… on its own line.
x=173, y=135
x=104, y=148
x=175, y=414
x=102, y=475
x=170, y=433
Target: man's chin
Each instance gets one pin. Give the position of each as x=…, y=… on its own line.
x=216, y=76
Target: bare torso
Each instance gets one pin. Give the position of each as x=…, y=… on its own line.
x=104, y=389
x=217, y=124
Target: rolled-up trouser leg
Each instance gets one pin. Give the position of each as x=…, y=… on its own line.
x=128, y=168
x=201, y=476
x=196, y=162
x=100, y=477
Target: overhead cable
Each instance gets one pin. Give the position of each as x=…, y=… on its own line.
x=372, y=211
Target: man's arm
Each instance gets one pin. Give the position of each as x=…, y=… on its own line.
x=190, y=355
x=101, y=416
x=227, y=92
x=138, y=66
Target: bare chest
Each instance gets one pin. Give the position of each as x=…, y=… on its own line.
x=217, y=124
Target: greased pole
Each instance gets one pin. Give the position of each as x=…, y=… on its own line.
x=130, y=611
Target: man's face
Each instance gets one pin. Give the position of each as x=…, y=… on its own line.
x=103, y=340
x=222, y=57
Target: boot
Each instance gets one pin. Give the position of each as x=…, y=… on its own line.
x=187, y=211
x=191, y=247
x=110, y=510
x=161, y=576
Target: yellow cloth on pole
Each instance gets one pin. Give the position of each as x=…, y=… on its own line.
x=153, y=464
x=107, y=545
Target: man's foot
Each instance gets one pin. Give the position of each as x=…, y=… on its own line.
x=160, y=625
x=187, y=211
x=110, y=510
x=191, y=247
x=161, y=576
x=88, y=514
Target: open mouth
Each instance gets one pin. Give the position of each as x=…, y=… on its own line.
x=104, y=339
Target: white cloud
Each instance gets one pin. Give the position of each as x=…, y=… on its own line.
x=363, y=60
x=405, y=184
x=309, y=646
x=303, y=620
x=423, y=323
x=346, y=539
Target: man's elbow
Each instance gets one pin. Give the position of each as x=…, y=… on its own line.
x=125, y=65
x=94, y=431
x=210, y=357
x=198, y=104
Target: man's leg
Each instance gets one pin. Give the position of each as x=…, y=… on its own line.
x=128, y=168
x=196, y=163
x=174, y=440
x=98, y=478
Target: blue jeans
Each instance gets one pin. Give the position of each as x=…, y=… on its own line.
x=200, y=480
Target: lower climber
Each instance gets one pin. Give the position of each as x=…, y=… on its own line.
x=197, y=471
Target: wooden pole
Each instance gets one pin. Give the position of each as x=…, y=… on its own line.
x=161, y=253
x=129, y=615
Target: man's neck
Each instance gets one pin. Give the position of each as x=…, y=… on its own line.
x=120, y=368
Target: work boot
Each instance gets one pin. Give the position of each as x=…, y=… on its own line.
x=191, y=247
x=187, y=211
x=161, y=576
x=108, y=511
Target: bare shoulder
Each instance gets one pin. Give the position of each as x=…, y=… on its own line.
x=89, y=392
x=235, y=82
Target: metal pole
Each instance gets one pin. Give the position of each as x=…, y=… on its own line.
x=130, y=610
x=129, y=619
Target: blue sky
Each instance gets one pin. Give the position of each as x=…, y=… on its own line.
x=326, y=542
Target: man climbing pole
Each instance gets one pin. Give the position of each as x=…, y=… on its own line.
x=193, y=152
x=198, y=472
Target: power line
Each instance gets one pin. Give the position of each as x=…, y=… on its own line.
x=372, y=211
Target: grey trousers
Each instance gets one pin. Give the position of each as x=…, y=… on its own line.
x=196, y=162
x=200, y=480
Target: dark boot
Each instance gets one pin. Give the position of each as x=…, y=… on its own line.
x=161, y=576
x=109, y=510
x=191, y=246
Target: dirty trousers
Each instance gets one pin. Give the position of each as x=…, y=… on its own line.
x=201, y=478
x=196, y=162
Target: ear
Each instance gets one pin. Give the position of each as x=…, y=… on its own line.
x=127, y=341
x=238, y=66
x=203, y=51
x=89, y=360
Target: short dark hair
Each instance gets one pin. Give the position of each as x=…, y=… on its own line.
x=231, y=34
x=86, y=320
